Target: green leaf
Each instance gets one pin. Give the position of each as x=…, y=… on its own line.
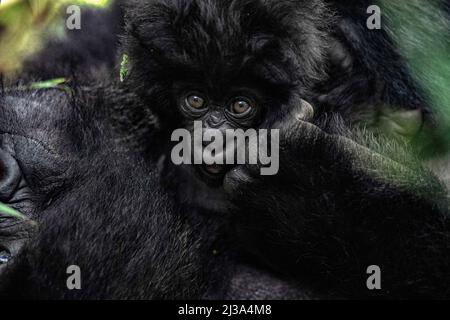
x=124, y=67
x=94, y=3
x=4, y=209
x=53, y=83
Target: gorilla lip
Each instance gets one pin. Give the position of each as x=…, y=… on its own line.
x=215, y=169
x=212, y=175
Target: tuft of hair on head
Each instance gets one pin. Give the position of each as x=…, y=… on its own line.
x=281, y=41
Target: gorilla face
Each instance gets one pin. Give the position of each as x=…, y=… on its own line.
x=236, y=106
x=20, y=189
x=240, y=108
x=33, y=161
x=43, y=145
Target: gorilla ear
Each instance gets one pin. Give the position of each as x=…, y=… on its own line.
x=10, y=176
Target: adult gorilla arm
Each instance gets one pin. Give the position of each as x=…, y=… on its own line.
x=341, y=203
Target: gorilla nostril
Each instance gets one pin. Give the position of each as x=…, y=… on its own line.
x=10, y=175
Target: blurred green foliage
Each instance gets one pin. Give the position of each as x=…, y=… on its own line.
x=421, y=29
x=25, y=24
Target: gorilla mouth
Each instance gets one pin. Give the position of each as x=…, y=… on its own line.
x=215, y=169
x=212, y=174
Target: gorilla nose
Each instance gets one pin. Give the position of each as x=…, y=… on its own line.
x=215, y=119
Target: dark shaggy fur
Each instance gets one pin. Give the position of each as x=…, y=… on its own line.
x=345, y=198
x=377, y=76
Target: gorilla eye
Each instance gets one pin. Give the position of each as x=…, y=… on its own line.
x=240, y=107
x=195, y=102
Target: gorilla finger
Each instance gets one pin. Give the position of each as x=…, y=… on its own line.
x=297, y=111
x=293, y=119
x=303, y=113
x=301, y=136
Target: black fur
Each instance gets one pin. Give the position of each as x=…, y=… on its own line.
x=345, y=197
x=286, y=51
x=343, y=205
